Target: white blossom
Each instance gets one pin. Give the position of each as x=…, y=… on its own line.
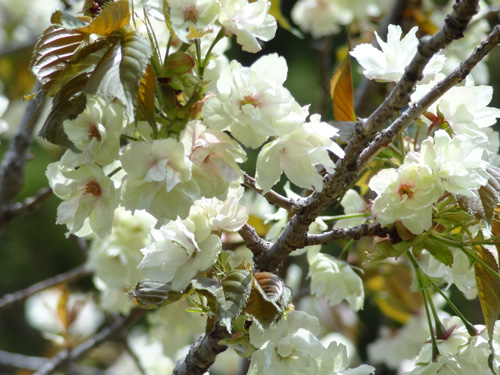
x=249, y=21
x=42, y=312
x=252, y=102
x=225, y=215
x=460, y=273
x=465, y=109
x=456, y=161
x=96, y=131
x=297, y=154
x=335, y=280
x=158, y=179
x=88, y=195
x=324, y=17
x=291, y=347
x=352, y=203
x=214, y=156
x=459, y=353
x=406, y=194
x=389, y=64
x=186, y=15
x=114, y=259
x=180, y=250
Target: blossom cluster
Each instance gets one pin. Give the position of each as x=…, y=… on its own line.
x=158, y=192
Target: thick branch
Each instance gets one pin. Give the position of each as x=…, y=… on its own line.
x=12, y=168
x=253, y=241
x=349, y=168
x=67, y=356
x=363, y=230
x=272, y=197
x=21, y=295
x=203, y=353
x=19, y=209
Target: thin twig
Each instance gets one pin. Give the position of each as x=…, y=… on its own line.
x=272, y=197
x=65, y=357
x=12, y=168
x=34, y=363
x=202, y=354
x=19, y=209
x=21, y=295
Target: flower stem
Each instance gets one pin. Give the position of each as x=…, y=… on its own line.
x=435, y=350
x=440, y=333
x=468, y=325
x=220, y=35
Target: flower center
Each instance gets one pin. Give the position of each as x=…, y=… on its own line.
x=191, y=14
x=250, y=99
x=92, y=188
x=406, y=189
x=94, y=133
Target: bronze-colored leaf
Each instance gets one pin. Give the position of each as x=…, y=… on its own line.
x=52, y=53
x=146, y=97
x=268, y=299
x=488, y=287
x=69, y=102
x=483, y=205
x=342, y=92
x=113, y=17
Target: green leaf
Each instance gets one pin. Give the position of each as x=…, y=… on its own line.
x=52, y=52
x=69, y=102
x=237, y=286
x=149, y=294
x=113, y=17
x=177, y=63
x=268, y=299
x=120, y=71
x=342, y=92
x=438, y=250
x=211, y=289
x=484, y=205
x=488, y=287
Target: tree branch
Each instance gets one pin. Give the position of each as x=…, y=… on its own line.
x=21, y=295
x=202, y=354
x=65, y=357
x=355, y=233
x=12, y=168
x=34, y=363
x=348, y=169
x=16, y=210
x=272, y=197
x=415, y=111
x=253, y=241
